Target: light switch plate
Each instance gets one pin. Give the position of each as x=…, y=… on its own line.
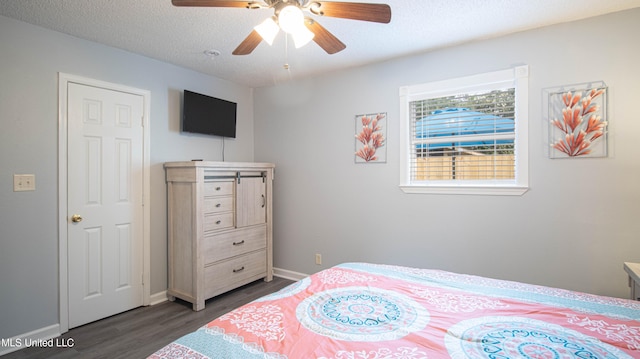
x=24, y=182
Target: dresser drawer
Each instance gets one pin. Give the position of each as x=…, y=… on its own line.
x=223, y=276
x=227, y=245
x=218, y=204
x=216, y=221
x=218, y=188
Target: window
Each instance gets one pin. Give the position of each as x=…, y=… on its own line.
x=466, y=135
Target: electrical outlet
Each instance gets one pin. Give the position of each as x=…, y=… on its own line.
x=318, y=258
x=24, y=182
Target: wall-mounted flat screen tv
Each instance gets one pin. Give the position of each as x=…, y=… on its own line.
x=208, y=115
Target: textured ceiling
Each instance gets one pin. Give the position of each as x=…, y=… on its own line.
x=181, y=36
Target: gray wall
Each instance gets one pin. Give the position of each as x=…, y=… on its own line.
x=30, y=59
x=575, y=227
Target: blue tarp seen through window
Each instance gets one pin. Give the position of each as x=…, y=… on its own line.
x=461, y=122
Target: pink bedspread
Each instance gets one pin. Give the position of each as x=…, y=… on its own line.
x=362, y=311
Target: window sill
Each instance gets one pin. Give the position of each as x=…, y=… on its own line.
x=468, y=190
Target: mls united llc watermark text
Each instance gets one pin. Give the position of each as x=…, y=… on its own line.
x=40, y=343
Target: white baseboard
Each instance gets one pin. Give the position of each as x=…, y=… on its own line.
x=158, y=298
x=33, y=338
x=288, y=274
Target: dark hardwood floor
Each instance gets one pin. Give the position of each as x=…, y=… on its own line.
x=140, y=332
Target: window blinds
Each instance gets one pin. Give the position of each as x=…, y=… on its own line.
x=463, y=137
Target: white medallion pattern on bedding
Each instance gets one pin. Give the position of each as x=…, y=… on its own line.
x=361, y=314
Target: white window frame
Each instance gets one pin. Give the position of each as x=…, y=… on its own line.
x=517, y=77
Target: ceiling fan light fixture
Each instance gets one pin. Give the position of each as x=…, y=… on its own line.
x=268, y=30
x=291, y=19
x=302, y=37
x=289, y=16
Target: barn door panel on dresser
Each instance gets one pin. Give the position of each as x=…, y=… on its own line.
x=252, y=199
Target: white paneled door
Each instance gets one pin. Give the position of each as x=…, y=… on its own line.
x=104, y=202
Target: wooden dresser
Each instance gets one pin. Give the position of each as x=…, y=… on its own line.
x=633, y=270
x=219, y=227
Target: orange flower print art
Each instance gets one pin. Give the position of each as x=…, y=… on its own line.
x=577, y=127
x=370, y=138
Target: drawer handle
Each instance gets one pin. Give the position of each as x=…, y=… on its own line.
x=238, y=243
x=238, y=270
x=218, y=221
x=218, y=205
x=218, y=188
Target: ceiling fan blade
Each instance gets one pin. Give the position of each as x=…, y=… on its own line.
x=215, y=3
x=326, y=40
x=352, y=10
x=248, y=44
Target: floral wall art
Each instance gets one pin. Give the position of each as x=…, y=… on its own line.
x=578, y=123
x=371, y=137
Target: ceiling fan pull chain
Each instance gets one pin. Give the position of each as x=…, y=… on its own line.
x=286, y=52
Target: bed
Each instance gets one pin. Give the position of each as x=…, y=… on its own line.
x=365, y=311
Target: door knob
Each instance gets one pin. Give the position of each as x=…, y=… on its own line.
x=76, y=218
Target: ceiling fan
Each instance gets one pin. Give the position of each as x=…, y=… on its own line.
x=289, y=16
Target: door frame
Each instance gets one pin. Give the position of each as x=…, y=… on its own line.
x=64, y=80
